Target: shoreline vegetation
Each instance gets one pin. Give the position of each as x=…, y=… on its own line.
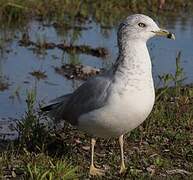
x=106, y=13
x=161, y=148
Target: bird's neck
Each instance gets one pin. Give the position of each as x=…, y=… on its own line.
x=133, y=64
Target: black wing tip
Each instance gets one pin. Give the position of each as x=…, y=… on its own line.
x=47, y=108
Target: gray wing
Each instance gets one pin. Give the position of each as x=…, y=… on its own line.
x=91, y=95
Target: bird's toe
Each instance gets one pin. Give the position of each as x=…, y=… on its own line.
x=122, y=170
x=96, y=172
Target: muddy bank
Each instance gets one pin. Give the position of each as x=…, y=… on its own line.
x=79, y=71
x=76, y=49
x=8, y=129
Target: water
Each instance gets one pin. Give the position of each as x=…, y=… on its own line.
x=17, y=62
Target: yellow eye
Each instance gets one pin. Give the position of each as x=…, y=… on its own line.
x=141, y=25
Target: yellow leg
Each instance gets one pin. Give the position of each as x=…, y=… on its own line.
x=93, y=170
x=123, y=168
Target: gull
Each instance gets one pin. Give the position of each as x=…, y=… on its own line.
x=116, y=102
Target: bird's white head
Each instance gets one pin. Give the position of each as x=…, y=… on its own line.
x=140, y=27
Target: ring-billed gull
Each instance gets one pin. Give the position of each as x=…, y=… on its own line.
x=119, y=100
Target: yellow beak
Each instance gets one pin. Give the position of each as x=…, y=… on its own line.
x=165, y=33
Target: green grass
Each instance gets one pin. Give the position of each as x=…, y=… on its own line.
x=28, y=165
x=107, y=13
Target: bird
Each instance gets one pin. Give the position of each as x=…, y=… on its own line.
x=121, y=98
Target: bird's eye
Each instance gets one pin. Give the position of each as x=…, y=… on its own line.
x=141, y=25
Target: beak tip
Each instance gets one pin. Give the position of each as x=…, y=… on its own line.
x=171, y=36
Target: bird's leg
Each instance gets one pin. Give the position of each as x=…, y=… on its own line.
x=123, y=168
x=93, y=170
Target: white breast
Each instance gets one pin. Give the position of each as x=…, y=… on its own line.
x=123, y=113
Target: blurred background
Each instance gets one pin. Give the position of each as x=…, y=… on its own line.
x=52, y=45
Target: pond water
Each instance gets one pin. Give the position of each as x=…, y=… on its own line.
x=16, y=62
